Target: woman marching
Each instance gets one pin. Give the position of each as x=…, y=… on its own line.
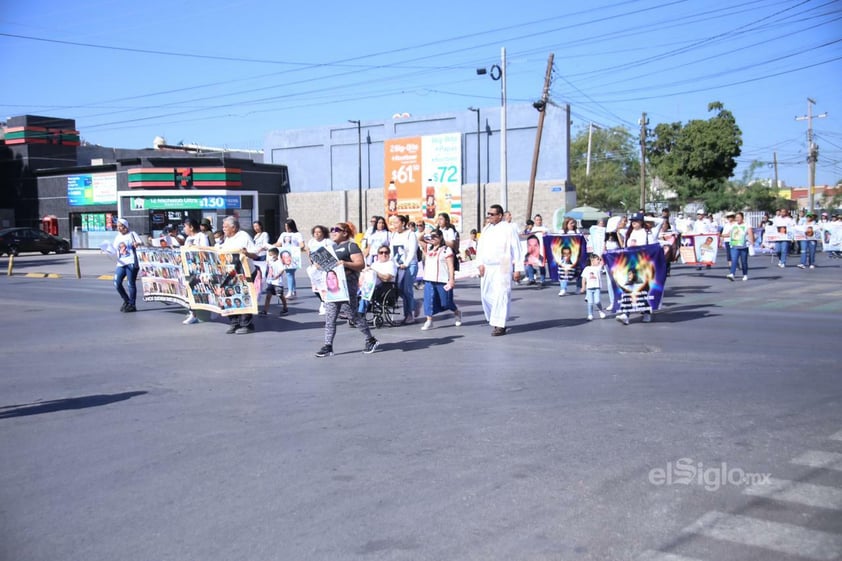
x=439, y=280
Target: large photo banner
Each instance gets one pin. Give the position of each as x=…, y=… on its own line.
x=699, y=249
x=831, y=236
x=637, y=276
x=327, y=276
x=161, y=277
x=200, y=278
x=423, y=177
x=218, y=281
x=567, y=255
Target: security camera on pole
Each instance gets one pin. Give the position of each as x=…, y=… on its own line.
x=498, y=72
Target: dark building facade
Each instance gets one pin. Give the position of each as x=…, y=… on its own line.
x=78, y=192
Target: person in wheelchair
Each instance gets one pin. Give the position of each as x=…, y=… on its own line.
x=382, y=270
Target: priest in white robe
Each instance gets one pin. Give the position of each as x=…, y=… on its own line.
x=498, y=254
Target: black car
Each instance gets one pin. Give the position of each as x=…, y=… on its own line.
x=16, y=240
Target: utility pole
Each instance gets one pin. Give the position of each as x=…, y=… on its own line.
x=812, y=152
x=591, y=127
x=775, y=162
x=541, y=106
x=504, y=133
x=643, y=123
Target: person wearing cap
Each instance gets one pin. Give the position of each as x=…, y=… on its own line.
x=637, y=234
x=125, y=243
x=727, y=225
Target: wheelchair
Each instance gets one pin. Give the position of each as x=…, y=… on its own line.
x=385, y=307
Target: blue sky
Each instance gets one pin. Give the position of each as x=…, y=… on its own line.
x=224, y=74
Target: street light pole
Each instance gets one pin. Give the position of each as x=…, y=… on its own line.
x=504, y=168
x=359, y=171
x=479, y=211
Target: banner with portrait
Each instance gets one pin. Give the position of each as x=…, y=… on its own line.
x=699, y=249
x=218, y=280
x=532, y=248
x=566, y=254
x=327, y=276
x=161, y=277
x=831, y=236
x=596, y=239
x=637, y=276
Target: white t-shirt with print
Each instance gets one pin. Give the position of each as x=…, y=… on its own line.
x=435, y=264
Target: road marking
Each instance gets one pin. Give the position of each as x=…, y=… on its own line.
x=105, y=277
x=36, y=275
x=837, y=436
x=819, y=459
x=661, y=556
x=774, y=536
x=797, y=492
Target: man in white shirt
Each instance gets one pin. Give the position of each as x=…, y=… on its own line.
x=784, y=223
x=240, y=244
x=498, y=252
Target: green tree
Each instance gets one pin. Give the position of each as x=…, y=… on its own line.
x=698, y=158
x=615, y=169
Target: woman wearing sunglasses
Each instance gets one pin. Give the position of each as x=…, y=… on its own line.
x=350, y=257
x=439, y=280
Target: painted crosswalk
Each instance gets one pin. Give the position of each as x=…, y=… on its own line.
x=772, y=536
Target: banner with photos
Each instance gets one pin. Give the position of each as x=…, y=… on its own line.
x=831, y=236
x=699, y=249
x=637, y=276
x=218, y=280
x=161, y=276
x=566, y=254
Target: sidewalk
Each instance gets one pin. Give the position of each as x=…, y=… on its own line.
x=92, y=264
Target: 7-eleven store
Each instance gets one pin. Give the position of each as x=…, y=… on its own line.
x=160, y=196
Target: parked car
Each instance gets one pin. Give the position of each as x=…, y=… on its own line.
x=17, y=240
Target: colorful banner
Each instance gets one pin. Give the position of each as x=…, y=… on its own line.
x=161, y=277
x=637, y=276
x=203, y=278
x=567, y=252
x=423, y=177
x=699, y=249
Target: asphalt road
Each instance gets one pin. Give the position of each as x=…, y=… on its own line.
x=134, y=437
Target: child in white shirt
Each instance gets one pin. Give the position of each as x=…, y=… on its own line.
x=590, y=283
x=274, y=284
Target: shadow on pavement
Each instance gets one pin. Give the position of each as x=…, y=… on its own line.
x=55, y=405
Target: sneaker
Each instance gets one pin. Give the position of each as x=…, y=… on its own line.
x=130, y=308
x=590, y=318
x=745, y=278
x=190, y=320
x=812, y=266
x=245, y=329
x=327, y=350
x=288, y=295
x=370, y=345
x=231, y=329
x=427, y=325
x=730, y=277
x=647, y=318
x=601, y=314
x=262, y=313
x=801, y=266
x=322, y=309
x=781, y=265
x=284, y=312
x=623, y=318
x=457, y=316
x=562, y=293
x=123, y=307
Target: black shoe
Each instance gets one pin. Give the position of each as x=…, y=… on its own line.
x=123, y=307
x=245, y=329
x=232, y=329
x=327, y=350
x=498, y=331
x=284, y=312
x=130, y=308
x=370, y=345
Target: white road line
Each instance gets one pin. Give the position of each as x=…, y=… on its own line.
x=774, y=536
x=661, y=556
x=837, y=436
x=820, y=459
x=796, y=492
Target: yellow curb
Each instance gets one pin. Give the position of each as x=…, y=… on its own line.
x=53, y=276
x=105, y=277
x=36, y=275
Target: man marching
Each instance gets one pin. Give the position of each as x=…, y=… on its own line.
x=497, y=253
